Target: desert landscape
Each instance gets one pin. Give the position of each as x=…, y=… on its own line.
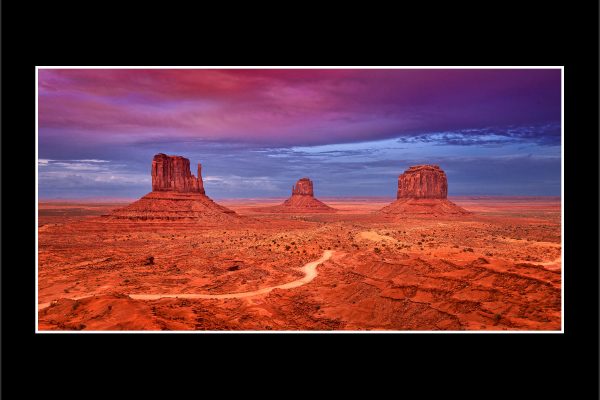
x=285, y=199
x=178, y=260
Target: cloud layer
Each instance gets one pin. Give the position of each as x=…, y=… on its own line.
x=256, y=131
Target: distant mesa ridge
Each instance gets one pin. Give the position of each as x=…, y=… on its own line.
x=423, y=189
x=176, y=195
x=179, y=195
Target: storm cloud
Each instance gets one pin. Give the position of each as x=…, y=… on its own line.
x=257, y=131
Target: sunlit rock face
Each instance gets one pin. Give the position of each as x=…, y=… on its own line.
x=423, y=182
x=423, y=190
x=173, y=174
x=303, y=187
x=176, y=195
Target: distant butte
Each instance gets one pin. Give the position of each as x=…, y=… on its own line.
x=304, y=187
x=302, y=200
x=423, y=189
x=176, y=195
x=423, y=182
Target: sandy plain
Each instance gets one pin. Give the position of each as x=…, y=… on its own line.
x=498, y=268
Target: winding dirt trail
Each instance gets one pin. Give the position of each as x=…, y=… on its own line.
x=309, y=269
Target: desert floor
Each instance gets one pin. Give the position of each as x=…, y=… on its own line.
x=498, y=268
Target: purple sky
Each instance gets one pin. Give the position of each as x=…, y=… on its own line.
x=494, y=132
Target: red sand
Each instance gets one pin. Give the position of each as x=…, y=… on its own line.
x=498, y=268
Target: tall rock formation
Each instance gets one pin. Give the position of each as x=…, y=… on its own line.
x=302, y=200
x=176, y=195
x=172, y=173
x=423, y=182
x=423, y=189
x=304, y=187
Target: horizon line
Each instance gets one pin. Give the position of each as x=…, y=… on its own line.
x=284, y=197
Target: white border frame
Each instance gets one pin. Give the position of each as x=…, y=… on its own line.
x=562, y=194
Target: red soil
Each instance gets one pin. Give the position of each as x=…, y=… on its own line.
x=497, y=268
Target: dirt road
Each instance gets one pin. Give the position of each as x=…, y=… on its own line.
x=309, y=269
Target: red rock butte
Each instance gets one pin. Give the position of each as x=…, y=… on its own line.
x=304, y=187
x=423, y=182
x=172, y=173
x=302, y=200
x=176, y=195
x=423, y=189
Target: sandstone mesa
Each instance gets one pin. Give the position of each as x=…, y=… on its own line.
x=179, y=195
x=423, y=189
x=172, y=173
x=302, y=200
x=423, y=182
x=176, y=195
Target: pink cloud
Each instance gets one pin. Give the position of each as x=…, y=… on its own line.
x=289, y=106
